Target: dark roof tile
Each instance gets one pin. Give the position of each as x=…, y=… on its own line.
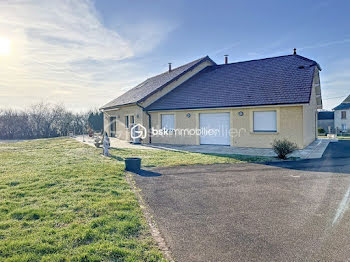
x=269, y=81
x=342, y=106
x=152, y=85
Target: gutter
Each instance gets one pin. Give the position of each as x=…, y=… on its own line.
x=149, y=122
x=228, y=107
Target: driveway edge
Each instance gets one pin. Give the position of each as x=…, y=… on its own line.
x=150, y=221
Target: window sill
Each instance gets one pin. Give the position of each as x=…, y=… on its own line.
x=264, y=133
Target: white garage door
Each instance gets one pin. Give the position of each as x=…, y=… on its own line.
x=215, y=129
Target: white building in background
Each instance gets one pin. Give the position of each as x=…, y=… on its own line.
x=342, y=116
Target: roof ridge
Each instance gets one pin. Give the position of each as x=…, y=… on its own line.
x=346, y=100
x=273, y=57
x=159, y=81
x=342, y=104
x=176, y=68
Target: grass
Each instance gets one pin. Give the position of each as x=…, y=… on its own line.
x=158, y=158
x=62, y=201
x=339, y=137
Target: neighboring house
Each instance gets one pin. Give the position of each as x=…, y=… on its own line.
x=326, y=121
x=250, y=103
x=342, y=116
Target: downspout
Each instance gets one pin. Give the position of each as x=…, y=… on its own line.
x=149, y=122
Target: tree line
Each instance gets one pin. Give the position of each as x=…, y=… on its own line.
x=45, y=120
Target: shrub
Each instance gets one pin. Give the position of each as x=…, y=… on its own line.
x=283, y=147
x=321, y=130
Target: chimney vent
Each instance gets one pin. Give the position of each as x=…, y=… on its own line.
x=295, y=51
x=169, y=67
x=226, y=59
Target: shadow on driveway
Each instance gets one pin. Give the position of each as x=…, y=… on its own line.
x=147, y=173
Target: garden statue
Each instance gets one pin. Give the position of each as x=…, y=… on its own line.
x=106, y=145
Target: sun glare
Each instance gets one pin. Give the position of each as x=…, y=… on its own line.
x=5, y=46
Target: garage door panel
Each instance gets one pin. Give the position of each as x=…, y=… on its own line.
x=215, y=128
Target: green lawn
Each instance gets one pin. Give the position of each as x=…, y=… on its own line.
x=61, y=200
x=343, y=137
x=157, y=158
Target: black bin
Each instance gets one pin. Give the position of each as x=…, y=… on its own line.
x=133, y=164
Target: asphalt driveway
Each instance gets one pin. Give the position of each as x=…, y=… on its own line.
x=290, y=211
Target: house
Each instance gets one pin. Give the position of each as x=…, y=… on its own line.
x=342, y=116
x=326, y=121
x=243, y=104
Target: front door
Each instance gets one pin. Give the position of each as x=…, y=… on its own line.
x=112, y=125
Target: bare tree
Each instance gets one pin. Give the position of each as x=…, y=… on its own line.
x=41, y=120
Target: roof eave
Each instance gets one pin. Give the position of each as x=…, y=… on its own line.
x=339, y=107
x=231, y=106
x=116, y=106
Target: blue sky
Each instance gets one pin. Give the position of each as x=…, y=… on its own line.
x=84, y=53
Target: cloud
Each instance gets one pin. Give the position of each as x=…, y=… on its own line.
x=70, y=28
x=327, y=44
x=146, y=34
x=335, y=88
x=62, y=52
x=224, y=49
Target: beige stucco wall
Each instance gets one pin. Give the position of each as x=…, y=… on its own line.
x=310, y=112
x=289, y=125
x=297, y=123
x=290, y=121
x=121, y=131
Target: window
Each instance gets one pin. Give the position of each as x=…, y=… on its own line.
x=113, y=125
x=343, y=114
x=343, y=127
x=127, y=121
x=265, y=121
x=168, y=122
x=132, y=120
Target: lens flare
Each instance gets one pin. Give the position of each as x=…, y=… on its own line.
x=5, y=46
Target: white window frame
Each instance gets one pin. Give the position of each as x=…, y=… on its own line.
x=161, y=122
x=129, y=124
x=264, y=130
